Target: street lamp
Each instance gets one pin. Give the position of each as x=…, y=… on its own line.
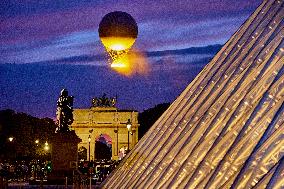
x=128, y=125
x=36, y=141
x=89, y=139
x=11, y=139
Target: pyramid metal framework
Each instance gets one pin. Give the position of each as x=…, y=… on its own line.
x=226, y=130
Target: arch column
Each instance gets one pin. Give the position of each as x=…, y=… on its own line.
x=89, y=151
x=115, y=144
x=93, y=146
x=133, y=139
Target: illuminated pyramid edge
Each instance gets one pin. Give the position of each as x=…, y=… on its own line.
x=226, y=128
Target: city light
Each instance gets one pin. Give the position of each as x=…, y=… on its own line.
x=11, y=139
x=46, y=146
x=128, y=125
x=89, y=139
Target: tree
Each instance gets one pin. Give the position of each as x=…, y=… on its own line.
x=103, y=151
x=148, y=117
x=25, y=130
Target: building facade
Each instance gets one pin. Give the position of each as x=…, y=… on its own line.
x=107, y=122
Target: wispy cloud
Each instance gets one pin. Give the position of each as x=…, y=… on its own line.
x=186, y=54
x=38, y=84
x=52, y=29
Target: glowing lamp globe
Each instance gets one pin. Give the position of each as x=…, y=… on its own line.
x=118, y=32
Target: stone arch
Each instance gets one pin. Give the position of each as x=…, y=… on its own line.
x=105, y=120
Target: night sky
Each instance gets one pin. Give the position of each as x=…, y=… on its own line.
x=53, y=44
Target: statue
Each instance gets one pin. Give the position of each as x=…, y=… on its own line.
x=64, y=111
x=95, y=102
x=104, y=101
x=113, y=101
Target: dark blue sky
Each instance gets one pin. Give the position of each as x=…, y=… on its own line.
x=47, y=45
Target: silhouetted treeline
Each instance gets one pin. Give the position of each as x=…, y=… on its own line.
x=148, y=117
x=25, y=130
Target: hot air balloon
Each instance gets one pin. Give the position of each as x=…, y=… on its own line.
x=118, y=32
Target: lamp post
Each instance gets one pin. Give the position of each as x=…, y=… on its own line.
x=89, y=139
x=11, y=145
x=128, y=125
x=36, y=149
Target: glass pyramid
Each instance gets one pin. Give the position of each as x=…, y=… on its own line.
x=226, y=130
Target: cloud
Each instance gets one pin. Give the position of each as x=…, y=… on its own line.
x=39, y=84
x=99, y=59
x=73, y=44
x=33, y=31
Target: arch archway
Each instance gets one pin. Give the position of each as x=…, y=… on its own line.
x=103, y=147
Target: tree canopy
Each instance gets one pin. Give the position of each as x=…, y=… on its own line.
x=25, y=130
x=148, y=117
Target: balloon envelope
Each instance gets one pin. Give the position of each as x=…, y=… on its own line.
x=118, y=31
